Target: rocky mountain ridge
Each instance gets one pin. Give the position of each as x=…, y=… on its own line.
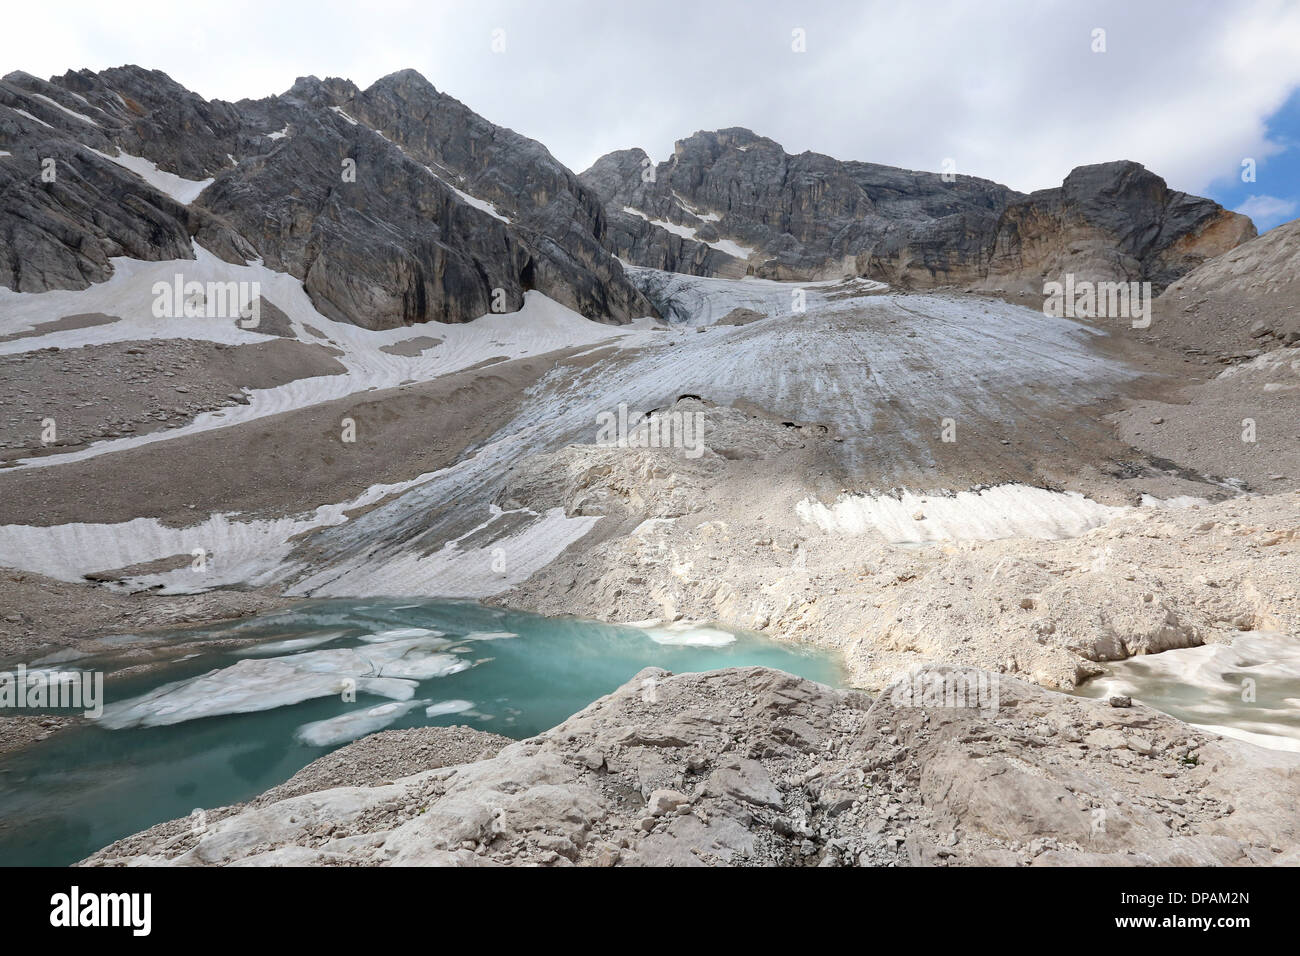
x=812, y=217
x=397, y=204
x=394, y=205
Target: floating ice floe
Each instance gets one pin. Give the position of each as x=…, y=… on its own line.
x=688, y=634
x=448, y=707
x=292, y=644
x=353, y=725
x=389, y=670
x=400, y=633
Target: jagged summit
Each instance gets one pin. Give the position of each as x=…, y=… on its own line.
x=404, y=78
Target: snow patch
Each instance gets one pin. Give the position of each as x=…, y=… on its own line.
x=1007, y=511
x=235, y=552
x=31, y=117
x=184, y=191
x=452, y=571
x=541, y=325
x=728, y=246
x=59, y=106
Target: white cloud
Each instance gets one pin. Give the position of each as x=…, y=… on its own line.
x=1010, y=90
x=1268, y=211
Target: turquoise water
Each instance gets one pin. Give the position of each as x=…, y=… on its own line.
x=66, y=797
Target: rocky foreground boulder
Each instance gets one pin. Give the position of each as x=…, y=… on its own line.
x=752, y=766
x=731, y=202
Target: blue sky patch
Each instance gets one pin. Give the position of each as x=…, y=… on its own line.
x=1274, y=197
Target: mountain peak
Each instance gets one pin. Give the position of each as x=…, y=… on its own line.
x=404, y=78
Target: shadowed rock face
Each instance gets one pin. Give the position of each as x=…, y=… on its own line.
x=445, y=207
x=814, y=217
x=1112, y=221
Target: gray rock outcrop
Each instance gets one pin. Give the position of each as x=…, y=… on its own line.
x=811, y=217
x=445, y=208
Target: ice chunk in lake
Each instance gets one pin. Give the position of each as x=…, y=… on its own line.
x=350, y=726
x=389, y=670
x=686, y=633
x=448, y=707
x=291, y=644
x=399, y=634
x=488, y=635
x=425, y=666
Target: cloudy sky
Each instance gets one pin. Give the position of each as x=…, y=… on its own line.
x=1013, y=91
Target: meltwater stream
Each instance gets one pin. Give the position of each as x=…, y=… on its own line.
x=1247, y=688
x=240, y=707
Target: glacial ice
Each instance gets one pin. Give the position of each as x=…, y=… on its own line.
x=353, y=725
x=689, y=634
x=392, y=669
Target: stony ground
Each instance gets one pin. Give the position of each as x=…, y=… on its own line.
x=719, y=538
x=134, y=388
x=41, y=616
x=1240, y=426
x=43, y=620
x=1239, y=304
x=281, y=464
x=752, y=766
x=17, y=732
